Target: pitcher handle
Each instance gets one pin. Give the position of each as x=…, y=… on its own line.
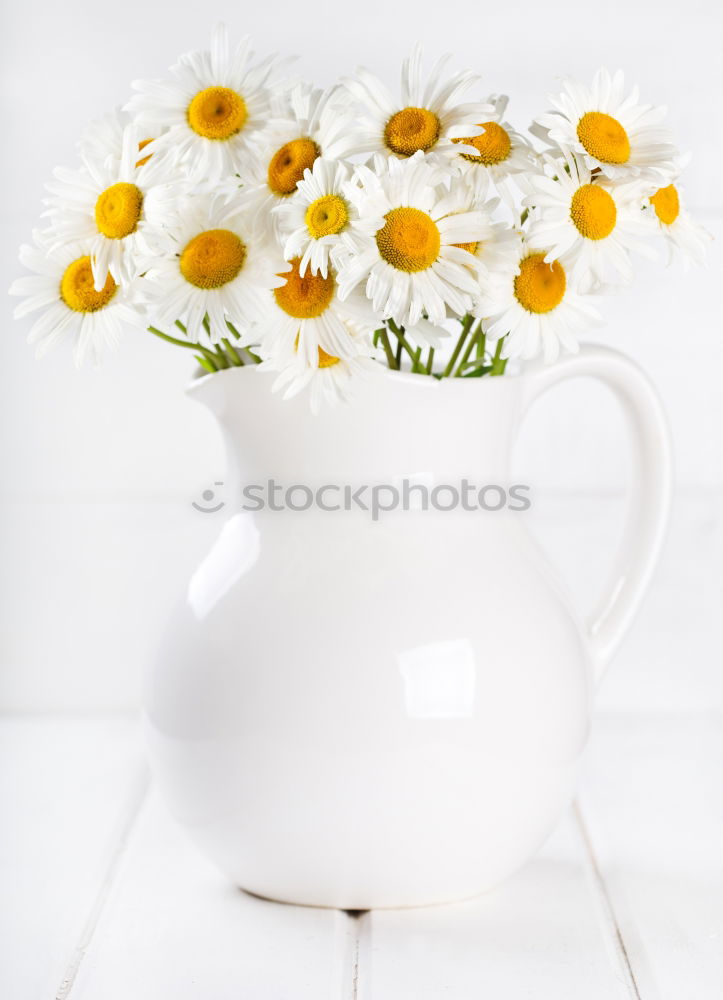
x=650, y=491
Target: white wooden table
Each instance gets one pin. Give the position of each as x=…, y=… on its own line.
x=102, y=897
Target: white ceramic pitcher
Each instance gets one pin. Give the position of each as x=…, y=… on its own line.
x=358, y=713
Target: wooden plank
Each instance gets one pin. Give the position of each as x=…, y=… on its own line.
x=626, y=903
x=542, y=934
x=69, y=790
x=652, y=803
x=175, y=928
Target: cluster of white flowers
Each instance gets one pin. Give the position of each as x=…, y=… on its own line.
x=254, y=219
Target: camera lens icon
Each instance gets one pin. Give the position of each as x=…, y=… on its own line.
x=209, y=498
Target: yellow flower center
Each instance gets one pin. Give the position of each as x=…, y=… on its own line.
x=493, y=146
x=118, y=210
x=288, y=164
x=327, y=360
x=142, y=145
x=326, y=216
x=593, y=211
x=540, y=287
x=307, y=297
x=77, y=291
x=604, y=137
x=217, y=113
x=410, y=130
x=212, y=258
x=409, y=239
x=666, y=203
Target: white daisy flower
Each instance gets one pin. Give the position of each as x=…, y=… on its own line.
x=329, y=379
x=110, y=203
x=306, y=322
x=497, y=252
x=104, y=136
x=211, y=110
x=586, y=222
x=312, y=219
x=427, y=118
x=316, y=125
x=666, y=216
x=499, y=153
x=63, y=289
x=498, y=247
x=405, y=244
x=305, y=312
x=611, y=132
x=536, y=309
x=210, y=264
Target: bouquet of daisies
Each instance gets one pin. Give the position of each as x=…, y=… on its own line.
x=256, y=220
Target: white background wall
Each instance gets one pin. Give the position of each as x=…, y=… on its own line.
x=100, y=467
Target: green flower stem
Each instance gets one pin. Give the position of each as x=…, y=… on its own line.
x=208, y=355
x=398, y=332
x=499, y=363
x=214, y=357
x=205, y=364
x=174, y=340
x=231, y=352
x=466, y=324
x=221, y=359
x=430, y=361
x=468, y=350
x=384, y=337
x=247, y=350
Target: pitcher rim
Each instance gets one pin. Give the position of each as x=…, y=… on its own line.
x=396, y=376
